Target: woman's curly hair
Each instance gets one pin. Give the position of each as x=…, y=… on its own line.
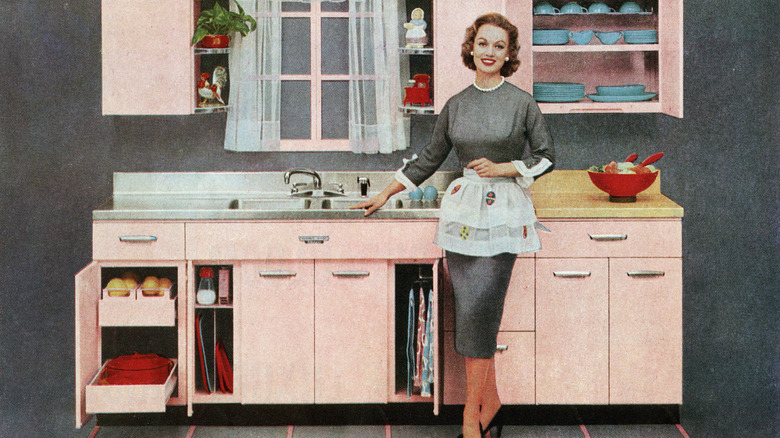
x=513, y=47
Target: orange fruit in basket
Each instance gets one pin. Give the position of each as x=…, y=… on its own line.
x=117, y=288
x=151, y=286
x=165, y=283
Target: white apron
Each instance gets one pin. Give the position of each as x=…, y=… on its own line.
x=487, y=216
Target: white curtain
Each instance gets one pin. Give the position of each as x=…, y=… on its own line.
x=253, y=121
x=375, y=70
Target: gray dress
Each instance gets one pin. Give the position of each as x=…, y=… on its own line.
x=503, y=125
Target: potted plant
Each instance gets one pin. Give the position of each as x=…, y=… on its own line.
x=216, y=24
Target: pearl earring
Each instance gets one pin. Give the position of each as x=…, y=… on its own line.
x=506, y=59
x=472, y=53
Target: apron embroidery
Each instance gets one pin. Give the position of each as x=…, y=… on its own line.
x=464, y=232
x=490, y=198
x=455, y=189
x=525, y=232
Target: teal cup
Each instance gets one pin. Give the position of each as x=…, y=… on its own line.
x=545, y=8
x=599, y=8
x=630, y=8
x=573, y=8
x=582, y=37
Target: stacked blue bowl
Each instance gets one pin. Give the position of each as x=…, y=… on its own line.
x=640, y=36
x=558, y=91
x=543, y=37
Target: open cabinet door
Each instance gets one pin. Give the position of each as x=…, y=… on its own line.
x=438, y=279
x=87, y=335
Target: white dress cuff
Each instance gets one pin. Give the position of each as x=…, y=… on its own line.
x=401, y=178
x=527, y=174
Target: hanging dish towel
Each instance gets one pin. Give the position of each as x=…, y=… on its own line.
x=420, y=340
x=427, y=370
x=410, y=353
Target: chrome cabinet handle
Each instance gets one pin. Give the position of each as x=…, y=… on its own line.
x=645, y=273
x=571, y=274
x=351, y=273
x=502, y=347
x=607, y=237
x=137, y=238
x=313, y=239
x=278, y=273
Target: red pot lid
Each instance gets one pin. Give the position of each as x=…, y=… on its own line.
x=137, y=362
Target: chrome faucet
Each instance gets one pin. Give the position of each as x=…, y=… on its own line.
x=313, y=174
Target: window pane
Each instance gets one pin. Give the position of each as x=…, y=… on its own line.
x=335, y=46
x=296, y=110
x=296, y=46
x=335, y=6
x=294, y=6
x=335, y=109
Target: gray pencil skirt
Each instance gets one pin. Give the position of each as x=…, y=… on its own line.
x=479, y=285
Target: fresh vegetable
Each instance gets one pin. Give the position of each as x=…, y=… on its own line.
x=627, y=166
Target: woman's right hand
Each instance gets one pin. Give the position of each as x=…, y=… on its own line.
x=379, y=199
x=372, y=204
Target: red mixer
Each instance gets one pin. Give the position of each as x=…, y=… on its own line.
x=420, y=92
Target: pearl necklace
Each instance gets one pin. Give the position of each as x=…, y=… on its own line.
x=487, y=90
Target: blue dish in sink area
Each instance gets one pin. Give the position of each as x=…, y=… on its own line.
x=544, y=37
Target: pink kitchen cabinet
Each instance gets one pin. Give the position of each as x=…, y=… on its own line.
x=276, y=301
x=572, y=331
x=645, y=330
x=350, y=331
x=124, y=314
x=148, y=64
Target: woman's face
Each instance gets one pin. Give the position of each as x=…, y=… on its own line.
x=491, y=46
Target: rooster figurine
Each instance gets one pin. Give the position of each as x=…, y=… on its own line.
x=212, y=91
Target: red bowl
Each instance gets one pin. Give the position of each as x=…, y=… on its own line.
x=622, y=186
x=138, y=369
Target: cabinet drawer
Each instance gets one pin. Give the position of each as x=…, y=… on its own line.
x=312, y=240
x=110, y=399
x=614, y=238
x=137, y=240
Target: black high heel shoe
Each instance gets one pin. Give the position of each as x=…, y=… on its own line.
x=495, y=427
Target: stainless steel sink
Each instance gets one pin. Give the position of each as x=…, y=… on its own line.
x=327, y=203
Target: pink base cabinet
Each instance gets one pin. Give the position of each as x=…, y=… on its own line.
x=593, y=318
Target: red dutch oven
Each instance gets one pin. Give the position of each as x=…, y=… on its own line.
x=137, y=369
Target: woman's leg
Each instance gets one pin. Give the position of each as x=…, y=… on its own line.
x=477, y=371
x=491, y=402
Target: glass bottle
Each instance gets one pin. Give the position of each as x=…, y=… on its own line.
x=207, y=294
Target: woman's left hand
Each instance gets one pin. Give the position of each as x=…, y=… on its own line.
x=488, y=169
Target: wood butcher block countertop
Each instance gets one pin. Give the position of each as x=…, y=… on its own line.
x=571, y=194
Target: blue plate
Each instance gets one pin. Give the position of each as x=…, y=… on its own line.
x=635, y=98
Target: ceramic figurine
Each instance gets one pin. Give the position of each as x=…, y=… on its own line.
x=211, y=92
x=416, y=38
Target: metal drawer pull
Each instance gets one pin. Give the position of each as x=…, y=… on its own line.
x=137, y=238
x=645, y=273
x=607, y=237
x=502, y=347
x=572, y=274
x=313, y=239
x=278, y=273
x=351, y=273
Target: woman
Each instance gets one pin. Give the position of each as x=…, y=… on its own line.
x=486, y=216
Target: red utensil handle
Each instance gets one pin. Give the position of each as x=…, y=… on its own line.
x=631, y=158
x=652, y=159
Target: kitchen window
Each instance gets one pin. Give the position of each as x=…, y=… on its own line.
x=309, y=96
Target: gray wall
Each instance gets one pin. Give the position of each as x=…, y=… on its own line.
x=58, y=155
